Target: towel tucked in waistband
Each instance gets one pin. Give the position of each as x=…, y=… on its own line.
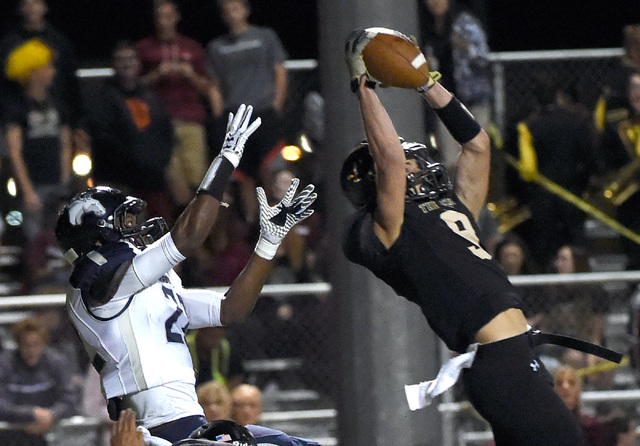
x=420, y=395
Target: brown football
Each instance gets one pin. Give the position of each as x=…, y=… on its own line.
x=396, y=61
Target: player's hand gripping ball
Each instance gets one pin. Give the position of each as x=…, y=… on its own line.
x=387, y=57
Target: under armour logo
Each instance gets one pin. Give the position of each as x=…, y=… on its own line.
x=534, y=365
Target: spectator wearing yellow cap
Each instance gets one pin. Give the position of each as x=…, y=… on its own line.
x=33, y=24
x=37, y=133
x=31, y=58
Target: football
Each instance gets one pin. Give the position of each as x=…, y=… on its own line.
x=395, y=60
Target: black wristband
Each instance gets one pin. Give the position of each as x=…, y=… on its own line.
x=217, y=177
x=355, y=84
x=459, y=121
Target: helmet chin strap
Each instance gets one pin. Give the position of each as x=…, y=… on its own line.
x=109, y=235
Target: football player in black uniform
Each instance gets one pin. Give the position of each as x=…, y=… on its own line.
x=416, y=230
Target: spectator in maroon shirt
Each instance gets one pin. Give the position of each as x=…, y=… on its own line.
x=174, y=65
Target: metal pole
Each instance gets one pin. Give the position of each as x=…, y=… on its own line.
x=499, y=102
x=384, y=340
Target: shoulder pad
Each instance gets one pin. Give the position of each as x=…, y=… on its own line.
x=99, y=272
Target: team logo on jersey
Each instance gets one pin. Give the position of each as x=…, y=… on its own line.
x=428, y=206
x=535, y=366
x=447, y=202
x=79, y=208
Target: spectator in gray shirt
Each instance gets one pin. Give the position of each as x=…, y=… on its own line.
x=247, y=67
x=36, y=389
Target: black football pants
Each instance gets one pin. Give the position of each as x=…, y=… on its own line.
x=510, y=387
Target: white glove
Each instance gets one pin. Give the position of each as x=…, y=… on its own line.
x=356, y=41
x=276, y=221
x=238, y=131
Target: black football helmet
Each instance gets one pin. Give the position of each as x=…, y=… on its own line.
x=98, y=215
x=220, y=432
x=432, y=179
x=358, y=176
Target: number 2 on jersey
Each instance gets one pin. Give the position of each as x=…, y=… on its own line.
x=460, y=224
x=173, y=336
x=172, y=322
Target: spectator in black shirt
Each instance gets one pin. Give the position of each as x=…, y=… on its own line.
x=38, y=133
x=65, y=88
x=619, y=150
x=557, y=141
x=131, y=135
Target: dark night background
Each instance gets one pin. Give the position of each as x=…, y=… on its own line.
x=95, y=25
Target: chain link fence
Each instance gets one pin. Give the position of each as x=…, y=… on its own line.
x=586, y=71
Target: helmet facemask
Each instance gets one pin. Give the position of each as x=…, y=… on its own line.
x=125, y=219
x=431, y=180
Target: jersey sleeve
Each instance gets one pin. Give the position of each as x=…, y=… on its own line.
x=150, y=265
x=361, y=245
x=202, y=307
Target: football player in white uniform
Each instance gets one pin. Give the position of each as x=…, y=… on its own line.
x=127, y=303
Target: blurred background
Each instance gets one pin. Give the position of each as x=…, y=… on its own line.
x=289, y=346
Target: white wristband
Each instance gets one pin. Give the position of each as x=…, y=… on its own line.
x=266, y=249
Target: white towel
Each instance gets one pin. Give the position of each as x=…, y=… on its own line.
x=421, y=395
x=150, y=440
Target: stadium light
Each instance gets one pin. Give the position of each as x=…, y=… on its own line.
x=12, y=189
x=291, y=153
x=82, y=164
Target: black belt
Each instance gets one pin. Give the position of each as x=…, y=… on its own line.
x=538, y=338
x=114, y=406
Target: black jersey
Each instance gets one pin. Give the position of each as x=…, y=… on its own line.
x=438, y=263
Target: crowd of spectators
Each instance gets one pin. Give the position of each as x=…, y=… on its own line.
x=150, y=130
x=153, y=125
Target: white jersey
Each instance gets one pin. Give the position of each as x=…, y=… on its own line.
x=136, y=341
